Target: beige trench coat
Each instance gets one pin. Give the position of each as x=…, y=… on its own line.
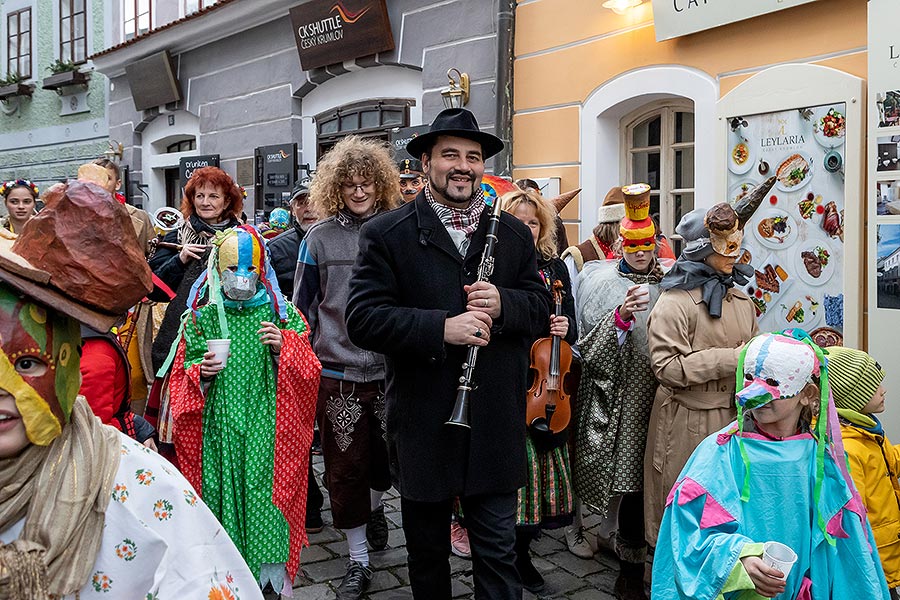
x=694, y=358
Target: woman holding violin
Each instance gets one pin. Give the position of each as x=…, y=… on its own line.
x=617, y=384
x=546, y=501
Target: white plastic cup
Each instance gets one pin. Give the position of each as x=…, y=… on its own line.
x=220, y=349
x=779, y=556
x=643, y=289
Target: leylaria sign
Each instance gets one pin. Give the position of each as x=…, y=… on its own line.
x=673, y=18
x=335, y=31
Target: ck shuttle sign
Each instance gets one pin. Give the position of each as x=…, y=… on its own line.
x=332, y=32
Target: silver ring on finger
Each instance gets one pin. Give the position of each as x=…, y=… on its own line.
x=478, y=332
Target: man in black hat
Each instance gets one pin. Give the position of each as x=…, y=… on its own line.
x=414, y=298
x=412, y=178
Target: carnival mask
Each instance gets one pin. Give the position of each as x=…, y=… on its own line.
x=279, y=218
x=774, y=366
x=39, y=364
x=241, y=260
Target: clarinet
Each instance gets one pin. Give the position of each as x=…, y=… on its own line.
x=460, y=414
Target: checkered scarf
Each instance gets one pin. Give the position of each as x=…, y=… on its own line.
x=461, y=219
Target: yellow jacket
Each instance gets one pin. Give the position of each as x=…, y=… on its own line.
x=875, y=466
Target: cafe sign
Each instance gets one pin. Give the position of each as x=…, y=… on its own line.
x=332, y=32
x=674, y=18
x=189, y=164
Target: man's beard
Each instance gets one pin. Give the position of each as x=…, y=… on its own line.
x=444, y=190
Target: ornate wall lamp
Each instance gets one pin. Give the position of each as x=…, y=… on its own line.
x=457, y=94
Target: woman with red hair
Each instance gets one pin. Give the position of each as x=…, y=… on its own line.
x=212, y=203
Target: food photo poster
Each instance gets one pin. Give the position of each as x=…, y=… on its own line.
x=795, y=240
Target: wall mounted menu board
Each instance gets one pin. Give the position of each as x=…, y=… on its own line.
x=795, y=240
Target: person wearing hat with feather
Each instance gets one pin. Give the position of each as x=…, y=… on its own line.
x=414, y=298
x=695, y=333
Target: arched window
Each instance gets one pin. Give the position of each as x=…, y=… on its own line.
x=659, y=151
x=371, y=118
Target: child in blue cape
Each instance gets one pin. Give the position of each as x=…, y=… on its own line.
x=770, y=476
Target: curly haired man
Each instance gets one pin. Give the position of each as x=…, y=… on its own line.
x=353, y=182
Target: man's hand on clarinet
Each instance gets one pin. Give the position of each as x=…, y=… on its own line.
x=471, y=328
x=483, y=297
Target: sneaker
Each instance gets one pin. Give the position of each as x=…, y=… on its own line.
x=459, y=541
x=377, y=529
x=579, y=542
x=314, y=523
x=355, y=582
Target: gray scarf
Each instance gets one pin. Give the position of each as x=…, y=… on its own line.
x=688, y=274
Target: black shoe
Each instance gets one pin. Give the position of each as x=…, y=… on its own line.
x=377, y=529
x=314, y=523
x=531, y=578
x=355, y=582
x=629, y=588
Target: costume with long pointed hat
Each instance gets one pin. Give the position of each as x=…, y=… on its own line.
x=243, y=438
x=742, y=487
x=85, y=511
x=694, y=332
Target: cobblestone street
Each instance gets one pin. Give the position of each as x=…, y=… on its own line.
x=566, y=575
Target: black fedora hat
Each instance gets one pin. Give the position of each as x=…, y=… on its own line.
x=457, y=122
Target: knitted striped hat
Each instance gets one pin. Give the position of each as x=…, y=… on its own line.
x=855, y=377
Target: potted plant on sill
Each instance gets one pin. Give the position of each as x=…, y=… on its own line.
x=64, y=73
x=12, y=85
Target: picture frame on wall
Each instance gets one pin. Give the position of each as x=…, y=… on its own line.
x=887, y=267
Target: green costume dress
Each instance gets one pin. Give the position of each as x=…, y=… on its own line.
x=244, y=442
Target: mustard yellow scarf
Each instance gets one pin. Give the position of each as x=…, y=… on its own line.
x=62, y=491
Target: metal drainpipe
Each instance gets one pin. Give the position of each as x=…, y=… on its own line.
x=505, y=48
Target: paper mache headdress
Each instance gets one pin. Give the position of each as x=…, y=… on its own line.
x=636, y=228
x=776, y=366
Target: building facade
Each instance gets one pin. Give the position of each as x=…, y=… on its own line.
x=58, y=121
x=246, y=98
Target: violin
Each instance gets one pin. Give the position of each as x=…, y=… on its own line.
x=548, y=405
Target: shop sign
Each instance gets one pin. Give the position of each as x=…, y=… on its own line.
x=332, y=32
x=402, y=136
x=187, y=165
x=674, y=18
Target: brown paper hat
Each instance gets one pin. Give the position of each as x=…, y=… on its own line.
x=79, y=256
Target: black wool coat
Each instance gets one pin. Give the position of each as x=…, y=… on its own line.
x=408, y=279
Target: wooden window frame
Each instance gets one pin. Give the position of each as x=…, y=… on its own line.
x=72, y=42
x=13, y=63
x=136, y=19
x=201, y=4
x=382, y=131
x=667, y=148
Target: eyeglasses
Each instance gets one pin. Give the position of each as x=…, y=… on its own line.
x=350, y=188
